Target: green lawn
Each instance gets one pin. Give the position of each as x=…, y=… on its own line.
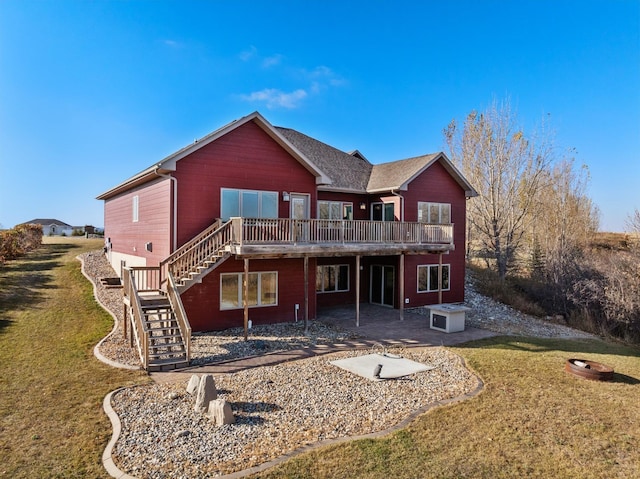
x=51, y=385
x=531, y=420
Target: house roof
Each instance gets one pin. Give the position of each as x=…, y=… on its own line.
x=47, y=222
x=397, y=175
x=168, y=164
x=334, y=169
x=348, y=172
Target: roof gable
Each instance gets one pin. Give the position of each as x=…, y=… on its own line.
x=397, y=175
x=168, y=164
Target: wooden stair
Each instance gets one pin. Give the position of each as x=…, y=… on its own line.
x=200, y=256
x=165, y=342
x=196, y=274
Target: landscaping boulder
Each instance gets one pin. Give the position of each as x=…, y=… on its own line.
x=206, y=393
x=220, y=412
x=192, y=387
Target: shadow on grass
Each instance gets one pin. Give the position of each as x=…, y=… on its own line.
x=22, y=281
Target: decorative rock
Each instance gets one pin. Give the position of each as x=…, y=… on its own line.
x=172, y=396
x=206, y=393
x=220, y=412
x=192, y=387
x=183, y=433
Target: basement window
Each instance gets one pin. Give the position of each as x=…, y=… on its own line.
x=428, y=278
x=263, y=290
x=332, y=278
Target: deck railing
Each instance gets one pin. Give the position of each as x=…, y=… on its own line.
x=291, y=231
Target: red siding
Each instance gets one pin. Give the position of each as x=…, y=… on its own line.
x=153, y=225
x=202, y=301
x=245, y=158
x=436, y=185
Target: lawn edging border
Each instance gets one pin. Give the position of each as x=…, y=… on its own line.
x=96, y=348
x=115, y=472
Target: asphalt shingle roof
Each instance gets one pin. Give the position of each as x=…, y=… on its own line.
x=393, y=175
x=347, y=172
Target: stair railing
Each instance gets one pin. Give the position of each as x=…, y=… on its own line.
x=181, y=315
x=193, y=254
x=138, y=327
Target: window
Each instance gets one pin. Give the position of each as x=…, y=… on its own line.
x=335, y=210
x=136, y=202
x=332, y=278
x=382, y=212
x=434, y=213
x=428, y=278
x=248, y=203
x=263, y=290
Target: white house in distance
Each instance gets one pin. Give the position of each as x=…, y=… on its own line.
x=52, y=227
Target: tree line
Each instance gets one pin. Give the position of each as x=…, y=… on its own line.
x=533, y=222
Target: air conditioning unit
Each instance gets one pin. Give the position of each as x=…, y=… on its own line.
x=448, y=318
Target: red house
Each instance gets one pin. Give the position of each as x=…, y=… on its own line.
x=262, y=223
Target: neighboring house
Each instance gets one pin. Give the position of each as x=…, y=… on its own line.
x=308, y=225
x=51, y=227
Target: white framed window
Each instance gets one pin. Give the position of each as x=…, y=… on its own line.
x=335, y=210
x=428, y=278
x=332, y=278
x=263, y=290
x=248, y=203
x=135, y=205
x=434, y=213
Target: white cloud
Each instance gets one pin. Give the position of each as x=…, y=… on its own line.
x=274, y=98
x=172, y=43
x=248, y=54
x=272, y=61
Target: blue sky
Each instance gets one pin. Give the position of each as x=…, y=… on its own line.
x=92, y=92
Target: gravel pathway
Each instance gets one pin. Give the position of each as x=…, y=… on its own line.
x=279, y=409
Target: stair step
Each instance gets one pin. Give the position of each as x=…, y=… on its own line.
x=176, y=355
x=167, y=364
x=165, y=333
x=166, y=349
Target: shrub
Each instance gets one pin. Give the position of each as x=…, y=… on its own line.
x=19, y=240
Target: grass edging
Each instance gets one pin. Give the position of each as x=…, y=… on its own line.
x=96, y=349
x=116, y=425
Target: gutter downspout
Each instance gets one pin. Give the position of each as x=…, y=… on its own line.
x=174, y=222
x=393, y=192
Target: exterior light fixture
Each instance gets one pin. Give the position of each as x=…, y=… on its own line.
x=285, y=196
x=363, y=206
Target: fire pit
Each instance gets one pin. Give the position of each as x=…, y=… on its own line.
x=586, y=369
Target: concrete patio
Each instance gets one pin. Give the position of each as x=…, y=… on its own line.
x=383, y=325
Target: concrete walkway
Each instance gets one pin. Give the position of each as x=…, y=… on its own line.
x=380, y=327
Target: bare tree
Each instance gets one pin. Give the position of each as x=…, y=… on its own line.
x=507, y=169
x=633, y=223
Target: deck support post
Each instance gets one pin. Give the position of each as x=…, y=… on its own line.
x=358, y=290
x=440, y=278
x=306, y=294
x=401, y=286
x=245, y=298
